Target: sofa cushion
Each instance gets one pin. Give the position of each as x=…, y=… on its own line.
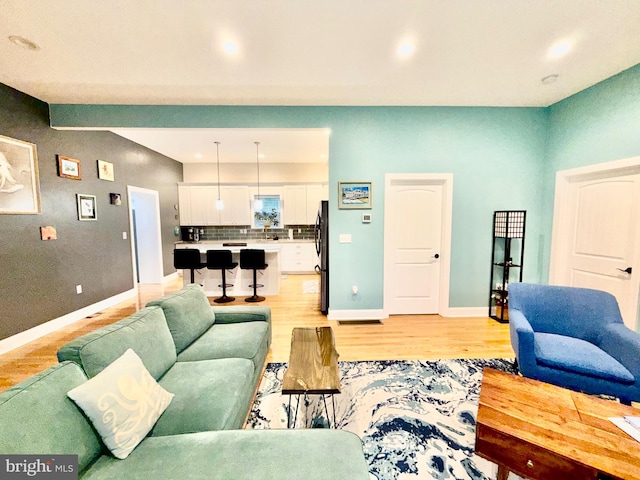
x=145, y=332
x=188, y=313
x=209, y=395
x=37, y=417
x=232, y=340
x=578, y=356
x=242, y=455
x=123, y=402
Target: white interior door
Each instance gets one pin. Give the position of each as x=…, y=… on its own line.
x=603, y=239
x=413, y=231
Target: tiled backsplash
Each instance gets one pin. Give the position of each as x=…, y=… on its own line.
x=235, y=233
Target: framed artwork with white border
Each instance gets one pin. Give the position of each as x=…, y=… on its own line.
x=86, y=207
x=105, y=171
x=19, y=180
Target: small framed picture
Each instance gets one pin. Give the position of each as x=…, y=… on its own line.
x=355, y=195
x=86, y=207
x=69, y=168
x=105, y=171
x=116, y=198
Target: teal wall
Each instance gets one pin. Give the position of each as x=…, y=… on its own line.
x=495, y=154
x=598, y=125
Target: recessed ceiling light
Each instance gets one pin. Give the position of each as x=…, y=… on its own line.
x=549, y=79
x=198, y=155
x=230, y=47
x=23, y=42
x=261, y=155
x=560, y=48
x=406, y=49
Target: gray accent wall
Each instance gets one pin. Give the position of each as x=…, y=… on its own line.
x=38, y=278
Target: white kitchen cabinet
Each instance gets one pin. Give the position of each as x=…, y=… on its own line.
x=237, y=206
x=198, y=205
x=298, y=257
x=294, y=205
x=315, y=194
x=184, y=202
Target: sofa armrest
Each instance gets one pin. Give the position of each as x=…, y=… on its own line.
x=623, y=344
x=242, y=314
x=522, y=339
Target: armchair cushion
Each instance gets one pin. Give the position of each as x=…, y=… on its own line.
x=575, y=355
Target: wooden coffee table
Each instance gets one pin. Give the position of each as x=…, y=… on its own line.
x=543, y=432
x=313, y=368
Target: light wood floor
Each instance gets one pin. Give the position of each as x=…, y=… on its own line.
x=400, y=337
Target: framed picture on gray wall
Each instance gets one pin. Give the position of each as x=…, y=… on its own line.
x=86, y=207
x=19, y=181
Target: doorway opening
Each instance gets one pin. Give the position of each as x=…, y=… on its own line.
x=146, y=242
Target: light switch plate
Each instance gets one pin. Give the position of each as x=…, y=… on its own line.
x=345, y=238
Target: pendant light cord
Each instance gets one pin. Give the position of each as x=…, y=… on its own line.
x=258, y=165
x=218, y=162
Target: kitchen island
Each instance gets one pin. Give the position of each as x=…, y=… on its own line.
x=211, y=280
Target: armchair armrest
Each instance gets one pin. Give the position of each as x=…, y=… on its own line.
x=522, y=339
x=242, y=314
x=623, y=344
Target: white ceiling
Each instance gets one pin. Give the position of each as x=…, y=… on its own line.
x=236, y=145
x=310, y=52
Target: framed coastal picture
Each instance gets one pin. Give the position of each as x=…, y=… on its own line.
x=105, y=171
x=69, y=168
x=86, y=207
x=19, y=181
x=355, y=195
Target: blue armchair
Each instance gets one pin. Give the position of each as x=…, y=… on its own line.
x=574, y=338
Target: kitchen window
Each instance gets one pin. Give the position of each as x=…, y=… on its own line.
x=269, y=215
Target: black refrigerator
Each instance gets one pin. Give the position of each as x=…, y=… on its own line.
x=321, y=234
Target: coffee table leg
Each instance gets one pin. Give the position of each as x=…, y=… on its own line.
x=503, y=473
x=333, y=401
x=326, y=411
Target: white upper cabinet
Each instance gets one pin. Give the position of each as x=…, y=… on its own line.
x=294, y=205
x=198, y=204
x=237, y=206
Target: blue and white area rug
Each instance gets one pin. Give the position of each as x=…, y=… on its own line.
x=416, y=418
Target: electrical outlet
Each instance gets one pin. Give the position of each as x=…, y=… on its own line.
x=124, y=235
x=345, y=238
x=354, y=290
x=78, y=289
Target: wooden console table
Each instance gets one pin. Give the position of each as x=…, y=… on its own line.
x=313, y=368
x=543, y=432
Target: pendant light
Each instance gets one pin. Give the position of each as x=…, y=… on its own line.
x=219, y=202
x=258, y=203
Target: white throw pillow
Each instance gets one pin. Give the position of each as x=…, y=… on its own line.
x=123, y=402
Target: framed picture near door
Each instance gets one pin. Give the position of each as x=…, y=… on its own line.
x=355, y=195
x=19, y=181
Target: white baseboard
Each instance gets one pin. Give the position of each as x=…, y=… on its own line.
x=22, y=338
x=465, y=312
x=170, y=277
x=356, y=315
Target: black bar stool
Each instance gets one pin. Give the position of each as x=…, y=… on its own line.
x=222, y=260
x=251, y=259
x=188, y=259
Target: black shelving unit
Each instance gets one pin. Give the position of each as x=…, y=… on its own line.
x=507, y=256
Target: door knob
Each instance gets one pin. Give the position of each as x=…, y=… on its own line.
x=626, y=270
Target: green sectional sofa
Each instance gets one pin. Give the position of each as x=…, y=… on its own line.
x=210, y=359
